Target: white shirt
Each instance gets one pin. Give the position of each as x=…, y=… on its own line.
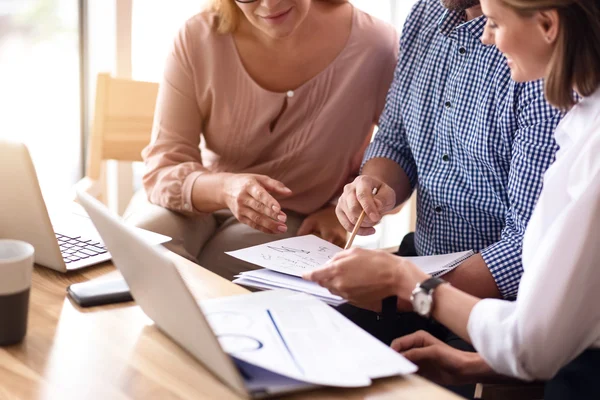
x=557, y=312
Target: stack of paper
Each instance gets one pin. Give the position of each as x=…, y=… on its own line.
x=297, y=336
x=286, y=260
x=267, y=279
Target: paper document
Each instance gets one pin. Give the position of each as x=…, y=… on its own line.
x=286, y=260
x=293, y=256
x=267, y=279
x=298, y=336
x=440, y=264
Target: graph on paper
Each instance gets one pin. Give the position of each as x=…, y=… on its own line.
x=293, y=256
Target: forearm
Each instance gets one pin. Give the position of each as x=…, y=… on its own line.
x=452, y=308
x=479, y=371
x=391, y=174
x=473, y=276
x=208, y=192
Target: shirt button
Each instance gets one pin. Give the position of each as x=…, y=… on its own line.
x=462, y=50
x=445, y=158
x=448, y=104
x=187, y=207
x=290, y=94
x=438, y=209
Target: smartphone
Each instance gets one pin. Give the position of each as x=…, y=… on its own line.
x=99, y=292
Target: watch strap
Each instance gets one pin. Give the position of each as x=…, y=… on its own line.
x=429, y=284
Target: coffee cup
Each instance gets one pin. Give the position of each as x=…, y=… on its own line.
x=16, y=266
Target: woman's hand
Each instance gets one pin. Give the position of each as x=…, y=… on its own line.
x=250, y=199
x=358, y=196
x=365, y=277
x=324, y=223
x=441, y=363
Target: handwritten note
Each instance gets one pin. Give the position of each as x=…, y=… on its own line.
x=293, y=256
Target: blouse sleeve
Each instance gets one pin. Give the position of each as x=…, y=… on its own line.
x=556, y=314
x=172, y=158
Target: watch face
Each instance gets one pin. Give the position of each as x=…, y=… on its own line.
x=421, y=303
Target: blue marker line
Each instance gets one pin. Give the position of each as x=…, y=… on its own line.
x=284, y=342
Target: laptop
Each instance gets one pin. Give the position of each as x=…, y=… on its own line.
x=65, y=241
x=160, y=290
x=150, y=274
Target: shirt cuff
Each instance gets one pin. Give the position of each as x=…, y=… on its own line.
x=492, y=331
x=380, y=149
x=186, y=192
x=504, y=262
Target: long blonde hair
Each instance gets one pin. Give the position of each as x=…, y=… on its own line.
x=576, y=58
x=229, y=14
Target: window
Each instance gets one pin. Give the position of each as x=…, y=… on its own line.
x=40, y=81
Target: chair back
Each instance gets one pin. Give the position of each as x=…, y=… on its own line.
x=122, y=126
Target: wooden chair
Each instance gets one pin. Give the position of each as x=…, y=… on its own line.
x=123, y=116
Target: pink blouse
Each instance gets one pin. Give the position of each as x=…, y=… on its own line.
x=211, y=116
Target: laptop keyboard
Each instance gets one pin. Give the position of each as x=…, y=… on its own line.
x=78, y=248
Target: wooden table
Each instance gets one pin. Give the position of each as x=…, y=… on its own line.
x=116, y=352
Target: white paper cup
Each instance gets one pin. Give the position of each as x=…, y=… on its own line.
x=16, y=266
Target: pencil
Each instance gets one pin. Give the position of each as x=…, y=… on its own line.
x=357, y=226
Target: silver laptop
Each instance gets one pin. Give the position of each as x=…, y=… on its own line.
x=67, y=241
x=150, y=274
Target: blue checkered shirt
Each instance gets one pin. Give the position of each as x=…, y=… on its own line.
x=474, y=143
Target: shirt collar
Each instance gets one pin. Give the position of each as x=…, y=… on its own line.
x=451, y=20
x=578, y=120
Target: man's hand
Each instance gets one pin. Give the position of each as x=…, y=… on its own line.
x=324, y=224
x=441, y=363
x=358, y=196
x=365, y=277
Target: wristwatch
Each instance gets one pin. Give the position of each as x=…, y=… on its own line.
x=422, y=297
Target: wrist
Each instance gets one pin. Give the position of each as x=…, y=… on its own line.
x=475, y=369
x=223, y=192
x=407, y=276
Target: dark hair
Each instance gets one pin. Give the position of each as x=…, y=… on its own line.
x=576, y=59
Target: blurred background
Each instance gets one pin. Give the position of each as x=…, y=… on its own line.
x=52, y=50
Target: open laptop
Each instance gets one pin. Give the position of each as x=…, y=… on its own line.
x=150, y=274
x=67, y=241
x=322, y=358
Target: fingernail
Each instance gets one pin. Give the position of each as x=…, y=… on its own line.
x=282, y=217
x=275, y=208
x=373, y=217
x=282, y=228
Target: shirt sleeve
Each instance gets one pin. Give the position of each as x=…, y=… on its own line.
x=389, y=58
x=390, y=140
x=556, y=314
x=172, y=159
x=532, y=152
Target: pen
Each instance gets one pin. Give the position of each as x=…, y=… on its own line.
x=358, y=224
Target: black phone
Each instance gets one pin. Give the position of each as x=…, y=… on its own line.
x=99, y=292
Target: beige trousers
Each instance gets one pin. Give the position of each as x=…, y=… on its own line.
x=205, y=239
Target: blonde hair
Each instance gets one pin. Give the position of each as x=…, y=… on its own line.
x=229, y=14
x=576, y=58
